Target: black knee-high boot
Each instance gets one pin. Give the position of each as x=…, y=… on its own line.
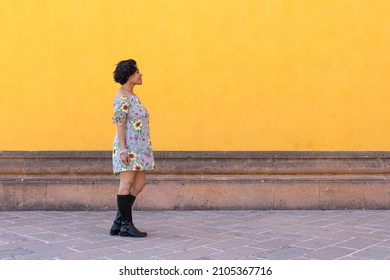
x=116, y=225
x=125, y=203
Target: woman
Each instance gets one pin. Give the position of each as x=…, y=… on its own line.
x=132, y=151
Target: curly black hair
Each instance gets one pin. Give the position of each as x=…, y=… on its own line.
x=124, y=69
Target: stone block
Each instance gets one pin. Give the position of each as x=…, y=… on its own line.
x=377, y=195
x=46, y=166
x=160, y=195
x=88, y=166
x=295, y=195
x=69, y=197
x=104, y=196
x=23, y=196
x=341, y=195
x=10, y=166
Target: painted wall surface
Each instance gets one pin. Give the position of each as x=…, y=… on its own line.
x=218, y=74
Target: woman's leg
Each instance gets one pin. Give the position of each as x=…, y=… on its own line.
x=127, y=179
x=125, y=183
x=138, y=183
x=138, y=186
x=130, y=186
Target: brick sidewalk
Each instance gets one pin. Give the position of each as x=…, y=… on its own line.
x=204, y=235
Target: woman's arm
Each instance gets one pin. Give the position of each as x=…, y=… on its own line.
x=124, y=155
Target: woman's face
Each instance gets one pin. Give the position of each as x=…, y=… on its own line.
x=136, y=78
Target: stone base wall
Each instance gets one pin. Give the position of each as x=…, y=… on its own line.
x=83, y=180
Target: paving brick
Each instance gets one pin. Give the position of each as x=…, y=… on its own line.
x=92, y=254
x=315, y=243
x=145, y=254
x=50, y=237
x=240, y=234
x=329, y=253
x=373, y=253
x=48, y=251
x=85, y=246
x=385, y=243
x=273, y=244
x=137, y=244
x=359, y=243
x=10, y=237
x=230, y=244
x=25, y=230
x=189, y=244
x=27, y=243
x=199, y=253
x=285, y=253
x=237, y=253
x=11, y=253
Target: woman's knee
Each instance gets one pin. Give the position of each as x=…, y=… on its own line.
x=136, y=189
x=127, y=181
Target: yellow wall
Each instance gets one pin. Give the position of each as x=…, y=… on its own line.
x=218, y=74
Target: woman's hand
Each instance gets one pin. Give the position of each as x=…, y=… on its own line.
x=124, y=155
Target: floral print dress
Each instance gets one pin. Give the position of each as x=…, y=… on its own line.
x=137, y=135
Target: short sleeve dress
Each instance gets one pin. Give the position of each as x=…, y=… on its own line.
x=137, y=135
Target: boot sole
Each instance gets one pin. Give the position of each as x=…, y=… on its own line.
x=125, y=234
x=114, y=232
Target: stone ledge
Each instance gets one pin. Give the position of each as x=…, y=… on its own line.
x=99, y=162
x=152, y=178
x=82, y=180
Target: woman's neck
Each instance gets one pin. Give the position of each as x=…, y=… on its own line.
x=128, y=89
